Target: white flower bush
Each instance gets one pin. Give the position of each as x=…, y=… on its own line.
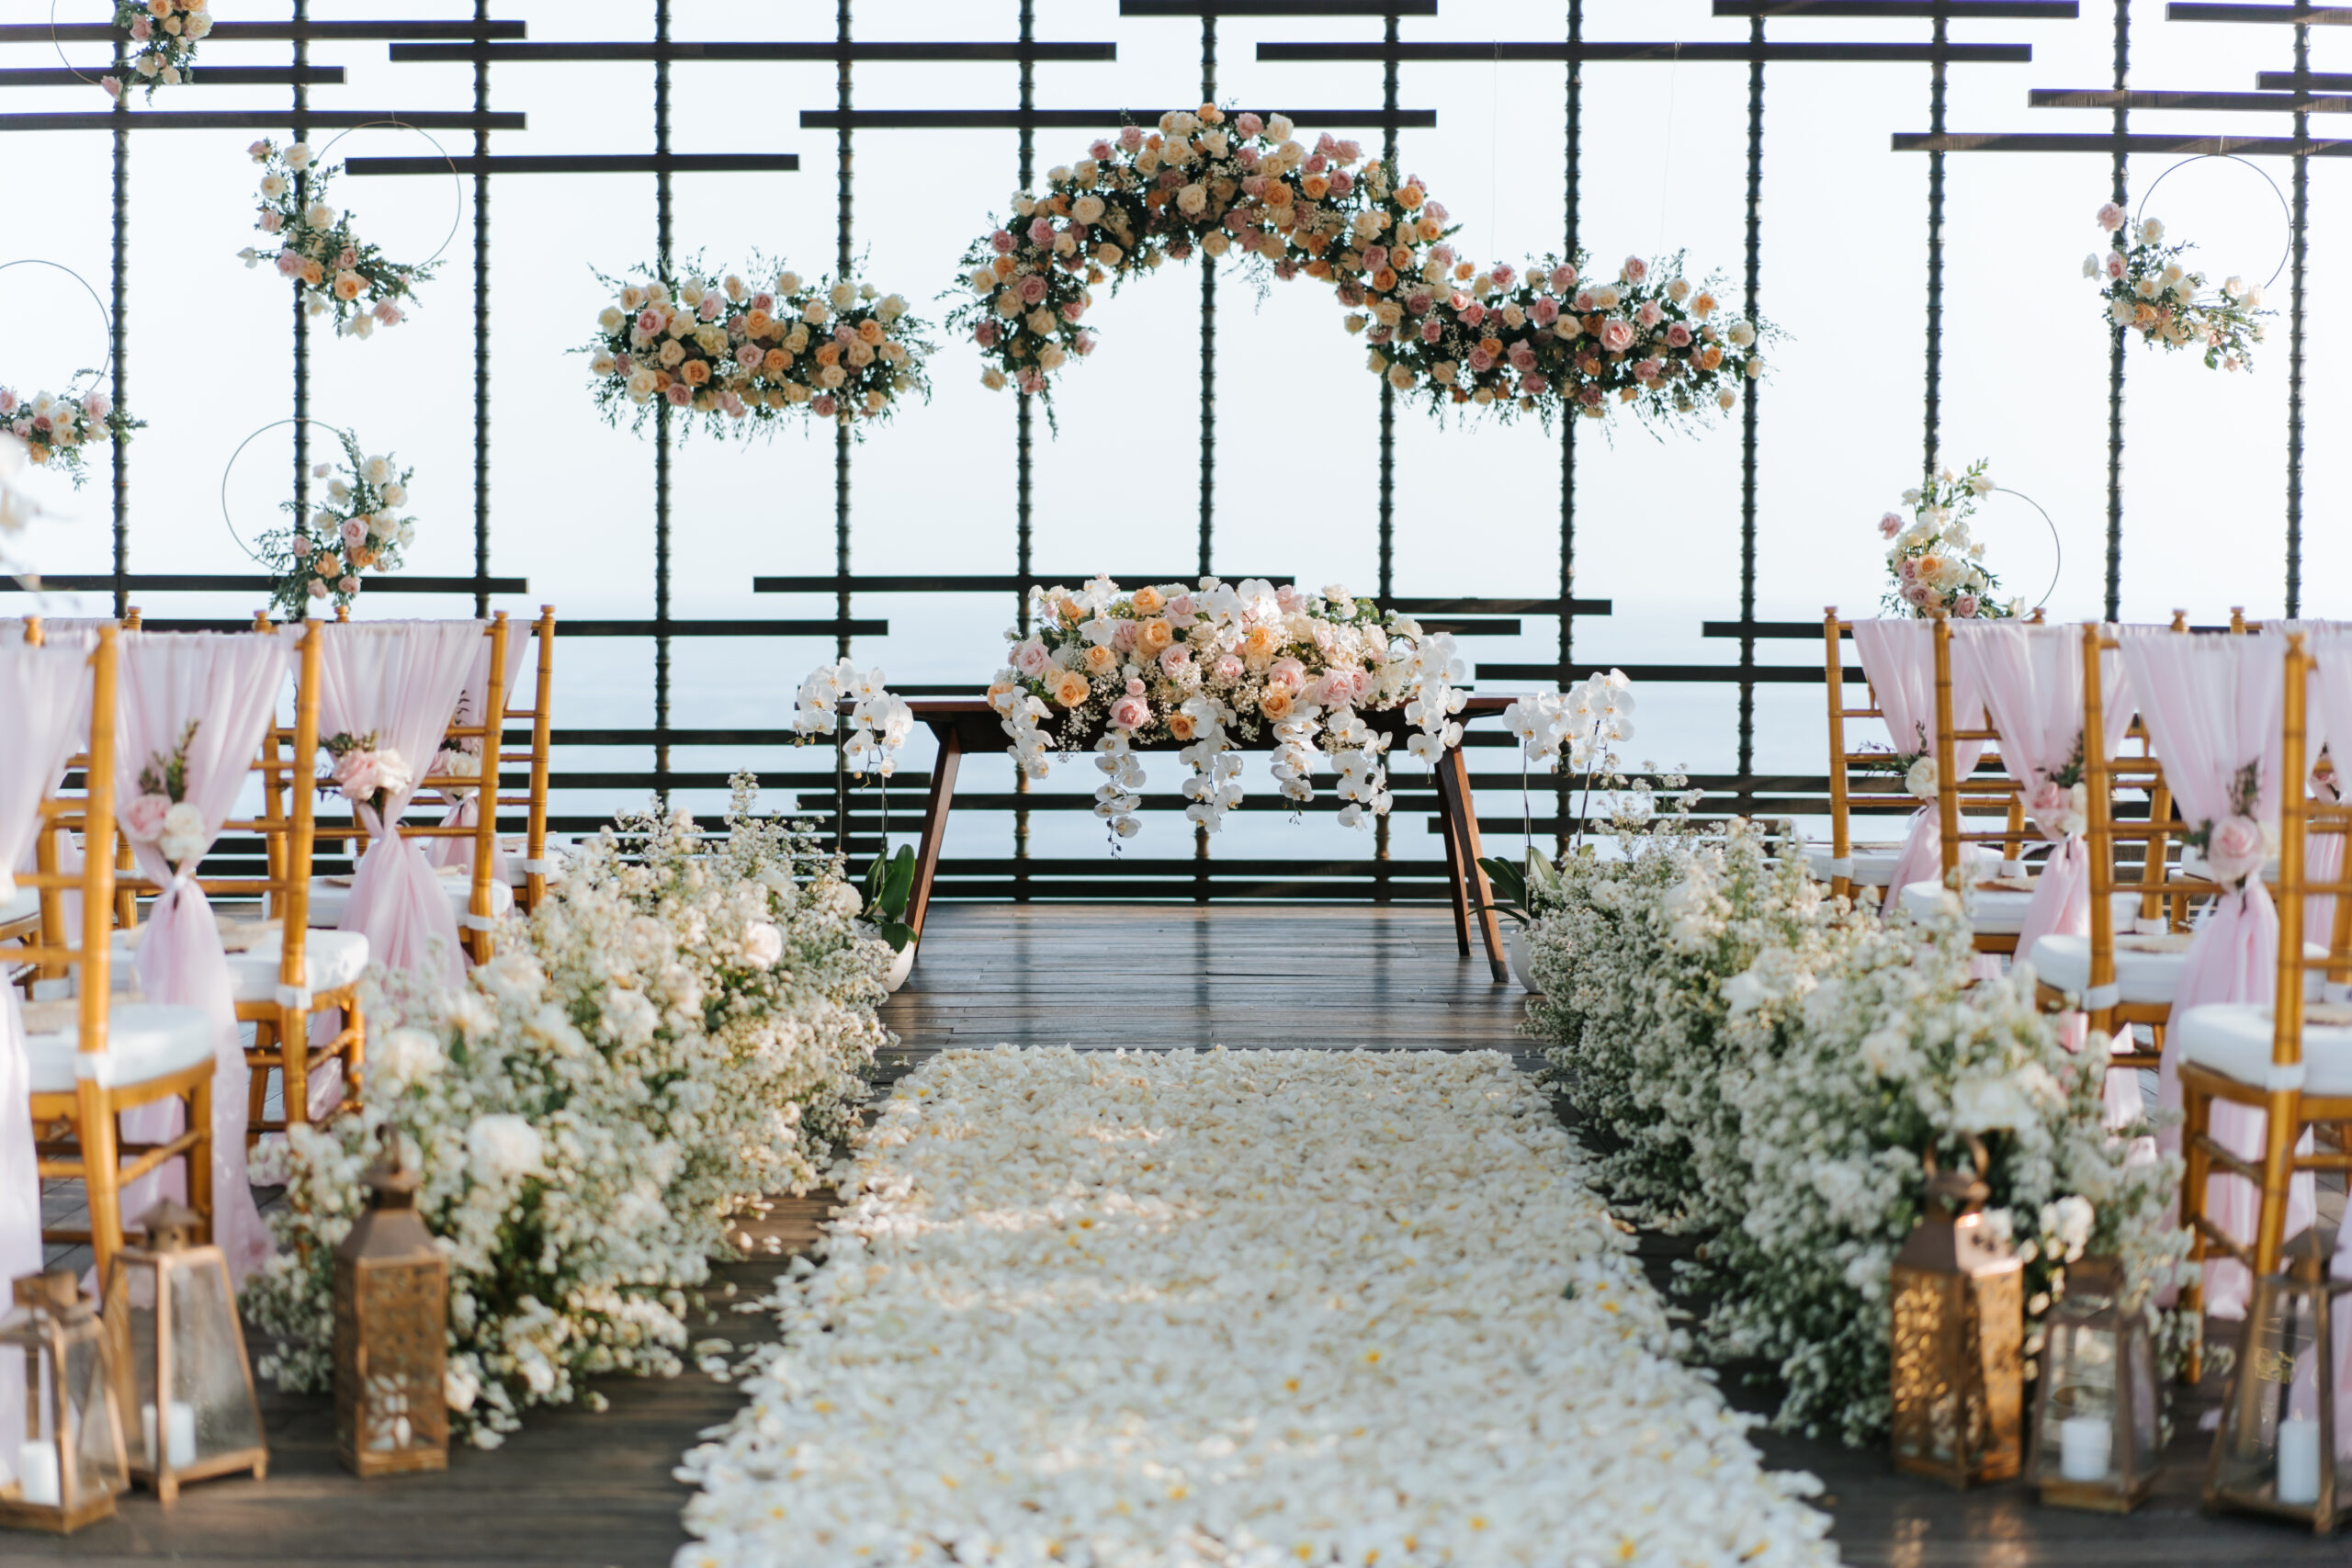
x=1769, y=1074
x=676, y=1030
x=1241, y=1308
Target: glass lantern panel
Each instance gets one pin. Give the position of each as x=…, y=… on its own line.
x=212, y=1398
x=27, y=1450
x=2080, y=1404
x=133, y=1298
x=2271, y=1429
x=1928, y=1414
x=90, y=1409
x=406, y=1388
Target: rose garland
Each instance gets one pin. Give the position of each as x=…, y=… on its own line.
x=2148, y=292
x=1202, y=665
x=166, y=32
x=1934, y=563
x=317, y=246
x=1441, y=328
x=356, y=530
x=54, y=428
x=719, y=348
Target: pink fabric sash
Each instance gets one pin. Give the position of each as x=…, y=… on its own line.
x=45, y=692
x=2212, y=705
x=1898, y=658
x=399, y=680
x=229, y=683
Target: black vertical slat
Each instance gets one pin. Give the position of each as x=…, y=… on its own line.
x=481, y=334
x=1381, y=845
x=302, y=317
x=841, y=431
x=118, y=336
x=661, y=434
x=1022, y=458
x=1748, y=431
x=2299, y=241
x=1936, y=72
x=2118, y=335
x=1570, y=415
x=1208, y=412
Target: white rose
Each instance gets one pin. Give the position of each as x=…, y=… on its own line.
x=844, y=900
x=273, y=185
x=762, y=945
x=404, y=1056
x=1921, y=778
x=992, y=378
x=379, y=471
x=842, y=296
x=320, y=216
x=788, y=282
x=395, y=494
x=642, y=384
x=502, y=1148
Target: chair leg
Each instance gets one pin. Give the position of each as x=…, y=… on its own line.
x=2280, y=1126
x=294, y=1055
x=199, y=1154
x=354, y=1056
x=2197, y=1114
x=258, y=1081
x=101, y=1173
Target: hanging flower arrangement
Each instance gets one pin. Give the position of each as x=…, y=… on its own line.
x=163, y=34
x=318, y=247
x=1440, y=329
x=745, y=356
x=2149, y=291
x=356, y=530
x=54, y=428
x=1936, y=565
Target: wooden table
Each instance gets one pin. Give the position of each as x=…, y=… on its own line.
x=969, y=724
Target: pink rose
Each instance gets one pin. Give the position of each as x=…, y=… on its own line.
x=1247, y=157
x=348, y=587
x=1291, y=600
x=1616, y=334
x=1041, y=230
x=680, y=395
x=1584, y=302
x=1324, y=145
x=1337, y=689
x=302, y=546
x=2048, y=802
x=1123, y=637
x=1000, y=243
x=387, y=314
x=1253, y=186
x=142, y=819
x=1645, y=370
x=1919, y=594
x=1348, y=151
x=1635, y=270
x=1130, y=712
x=113, y=87
x=1130, y=137
x=749, y=357
x=2235, y=849
x=1375, y=257
x=1504, y=273
x=142, y=30
x=1436, y=212
x=272, y=221
x=1564, y=277
x=1589, y=397
x=1889, y=525
x=1343, y=182
x=1432, y=332
x=1317, y=164
x=353, y=530
x=823, y=406
x=1085, y=344
x=648, y=321
x=2109, y=217
x=1649, y=315
x=356, y=774
x=1182, y=611
x=844, y=334
x=1249, y=125
x=1522, y=358
x=347, y=258
x=1030, y=657
x=289, y=264
x=1909, y=571
x=1533, y=384
x=1031, y=382
x=1073, y=309
x=1965, y=606
x=763, y=302
x=1174, y=658
x=1481, y=361
x=1545, y=310
x=733, y=405
x=985, y=334
x=1033, y=288
x=1290, y=673
x=1100, y=151
x=1678, y=336
x=97, y=405
x=1471, y=314
x=1227, y=667
x=1419, y=302
x=2114, y=265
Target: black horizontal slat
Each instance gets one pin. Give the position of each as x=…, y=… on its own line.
x=694, y=49
x=253, y=582
x=273, y=32
x=726, y=629
x=1764, y=631
x=1080, y=119
x=265, y=119
x=2324, y=16
x=1919, y=10
x=1626, y=52
x=2109, y=98
x=1413, y=606
x=2317, y=81
x=205, y=76
x=1488, y=625
x=1666, y=674
x=1277, y=7
x=583, y=164
x=2107, y=141
x=979, y=583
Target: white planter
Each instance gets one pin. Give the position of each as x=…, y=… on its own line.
x=1515, y=943
x=901, y=967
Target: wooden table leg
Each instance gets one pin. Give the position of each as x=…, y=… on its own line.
x=1481, y=894
x=934, y=823
x=1456, y=882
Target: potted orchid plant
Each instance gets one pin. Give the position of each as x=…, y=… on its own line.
x=879, y=724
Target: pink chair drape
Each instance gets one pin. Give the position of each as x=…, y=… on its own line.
x=229, y=683
x=1898, y=658
x=2212, y=705
x=45, y=695
x=399, y=680
x=465, y=813
x=2331, y=650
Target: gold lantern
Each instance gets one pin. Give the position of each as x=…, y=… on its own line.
x=2095, y=1422
x=185, y=1388
x=2283, y=1448
x=1959, y=1322
x=67, y=1466
x=392, y=1316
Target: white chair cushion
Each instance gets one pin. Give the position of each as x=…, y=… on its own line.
x=1996, y=911
x=328, y=897
x=23, y=905
x=2140, y=976
x=331, y=959
x=145, y=1041
x=1874, y=863
x=2234, y=1039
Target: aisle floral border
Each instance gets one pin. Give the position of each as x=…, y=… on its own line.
x=1440, y=329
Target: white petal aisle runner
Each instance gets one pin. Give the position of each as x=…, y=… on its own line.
x=1235, y=1309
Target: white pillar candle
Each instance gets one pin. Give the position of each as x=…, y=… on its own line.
x=2299, y=1460
x=2085, y=1445
x=37, y=1473
x=181, y=1432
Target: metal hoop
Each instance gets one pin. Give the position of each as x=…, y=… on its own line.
x=60, y=47
x=2057, y=545
x=105, y=319
x=456, y=179
x=2284, y=211
x=232, y=463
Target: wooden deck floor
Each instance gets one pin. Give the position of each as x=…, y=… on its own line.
x=594, y=1490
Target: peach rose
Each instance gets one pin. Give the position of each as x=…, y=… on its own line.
x=348, y=285
x=1257, y=644
x=694, y=372
x=869, y=333
x=1149, y=601
x=1101, y=661
x=1154, y=636
x=1276, y=704
x=1070, y=688
x=777, y=361
x=1180, y=725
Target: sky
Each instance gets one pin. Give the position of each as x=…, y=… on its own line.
x=1477, y=505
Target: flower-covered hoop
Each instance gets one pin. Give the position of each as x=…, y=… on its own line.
x=90, y=417
x=106, y=317
x=227, y=467
x=320, y=249
x=2285, y=209
x=457, y=180
x=2057, y=544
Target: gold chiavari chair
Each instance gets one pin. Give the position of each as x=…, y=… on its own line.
x=99, y=1054
x=2291, y=1060
x=533, y=870
x=1858, y=870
